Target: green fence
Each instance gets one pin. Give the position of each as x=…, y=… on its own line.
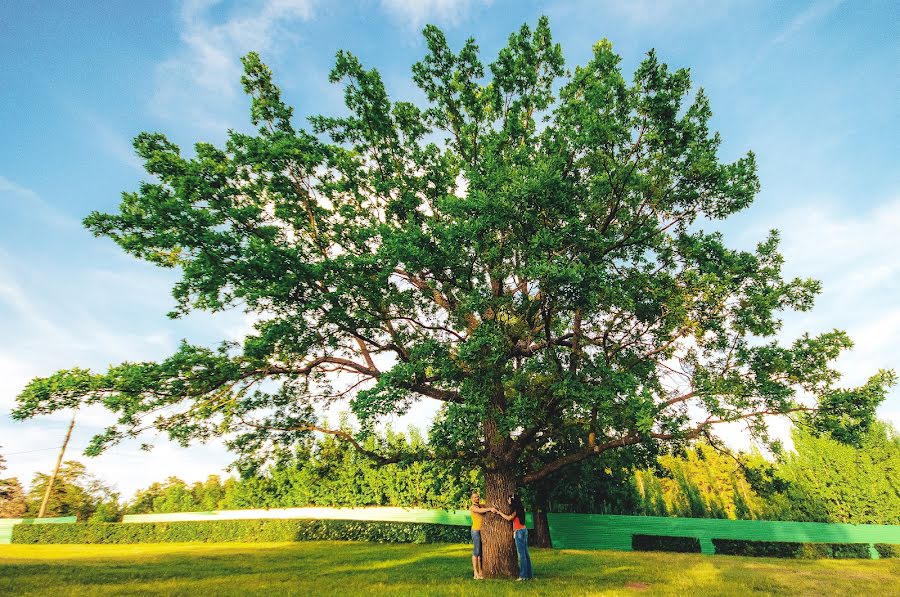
x=568, y=531
x=601, y=531
x=7, y=524
x=451, y=517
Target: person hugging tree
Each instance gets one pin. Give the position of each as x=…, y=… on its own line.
x=478, y=511
x=520, y=535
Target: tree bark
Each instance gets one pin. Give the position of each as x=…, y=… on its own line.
x=499, y=559
x=540, y=537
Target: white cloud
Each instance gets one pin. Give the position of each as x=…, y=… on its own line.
x=199, y=83
x=648, y=13
x=815, y=12
x=417, y=13
x=15, y=197
x=854, y=254
x=111, y=141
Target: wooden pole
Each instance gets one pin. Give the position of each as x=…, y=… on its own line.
x=59, y=460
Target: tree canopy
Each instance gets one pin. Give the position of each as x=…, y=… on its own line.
x=75, y=492
x=527, y=248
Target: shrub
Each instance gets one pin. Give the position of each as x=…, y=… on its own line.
x=887, y=550
x=790, y=549
x=663, y=543
x=241, y=530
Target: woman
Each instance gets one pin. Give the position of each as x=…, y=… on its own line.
x=520, y=534
x=478, y=511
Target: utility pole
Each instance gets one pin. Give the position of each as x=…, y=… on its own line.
x=59, y=460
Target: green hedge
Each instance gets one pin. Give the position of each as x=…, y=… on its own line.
x=887, y=550
x=216, y=531
x=663, y=543
x=788, y=549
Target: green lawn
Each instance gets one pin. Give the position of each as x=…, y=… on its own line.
x=349, y=569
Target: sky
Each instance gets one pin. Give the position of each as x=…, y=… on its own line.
x=810, y=87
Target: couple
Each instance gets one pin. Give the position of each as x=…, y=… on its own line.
x=520, y=533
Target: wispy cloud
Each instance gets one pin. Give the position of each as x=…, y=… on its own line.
x=15, y=197
x=654, y=13
x=813, y=13
x=110, y=141
x=417, y=13
x=200, y=82
x=806, y=18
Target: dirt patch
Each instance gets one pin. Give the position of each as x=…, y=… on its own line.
x=637, y=585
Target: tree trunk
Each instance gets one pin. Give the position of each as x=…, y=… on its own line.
x=499, y=559
x=540, y=537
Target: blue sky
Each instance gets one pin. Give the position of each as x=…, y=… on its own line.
x=811, y=87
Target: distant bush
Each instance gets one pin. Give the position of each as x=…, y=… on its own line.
x=887, y=550
x=241, y=530
x=789, y=549
x=662, y=543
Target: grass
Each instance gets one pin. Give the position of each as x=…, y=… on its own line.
x=349, y=569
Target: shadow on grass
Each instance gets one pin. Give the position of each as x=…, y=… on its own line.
x=348, y=568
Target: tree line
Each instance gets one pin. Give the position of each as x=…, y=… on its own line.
x=821, y=480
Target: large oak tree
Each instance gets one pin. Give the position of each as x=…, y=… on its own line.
x=526, y=248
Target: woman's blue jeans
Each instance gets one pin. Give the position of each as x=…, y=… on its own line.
x=524, y=558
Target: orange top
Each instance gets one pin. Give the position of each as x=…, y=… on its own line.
x=517, y=524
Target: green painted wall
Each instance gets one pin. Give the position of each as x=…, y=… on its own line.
x=7, y=524
x=600, y=531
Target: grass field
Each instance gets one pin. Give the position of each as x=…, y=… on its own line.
x=349, y=569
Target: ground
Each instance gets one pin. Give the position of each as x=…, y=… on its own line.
x=339, y=568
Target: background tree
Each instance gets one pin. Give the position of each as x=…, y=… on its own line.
x=824, y=480
x=321, y=472
x=75, y=493
x=525, y=249
x=702, y=482
x=12, y=497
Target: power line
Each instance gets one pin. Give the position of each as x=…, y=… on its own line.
x=29, y=451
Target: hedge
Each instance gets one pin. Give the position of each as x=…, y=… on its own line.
x=216, y=531
x=663, y=543
x=887, y=550
x=788, y=549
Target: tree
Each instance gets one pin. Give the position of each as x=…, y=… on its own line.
x=824, y=480
x=12, y=497
x=172, y=495
x=74, y=493
x=701, y=483
x=540, y=271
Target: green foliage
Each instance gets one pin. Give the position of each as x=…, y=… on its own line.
x=824, y=480
x=174, y=495
x=701, y=483
x=887, y=550
x=524, y=248
x=12, y=497
x=323, y=472
x=75, y=493
x=241, y=530
x=332, y=473
x=664, y=543
x=785, y=549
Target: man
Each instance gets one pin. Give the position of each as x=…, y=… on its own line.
x=478, y=512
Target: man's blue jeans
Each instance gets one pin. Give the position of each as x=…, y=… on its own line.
x=524, y=558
